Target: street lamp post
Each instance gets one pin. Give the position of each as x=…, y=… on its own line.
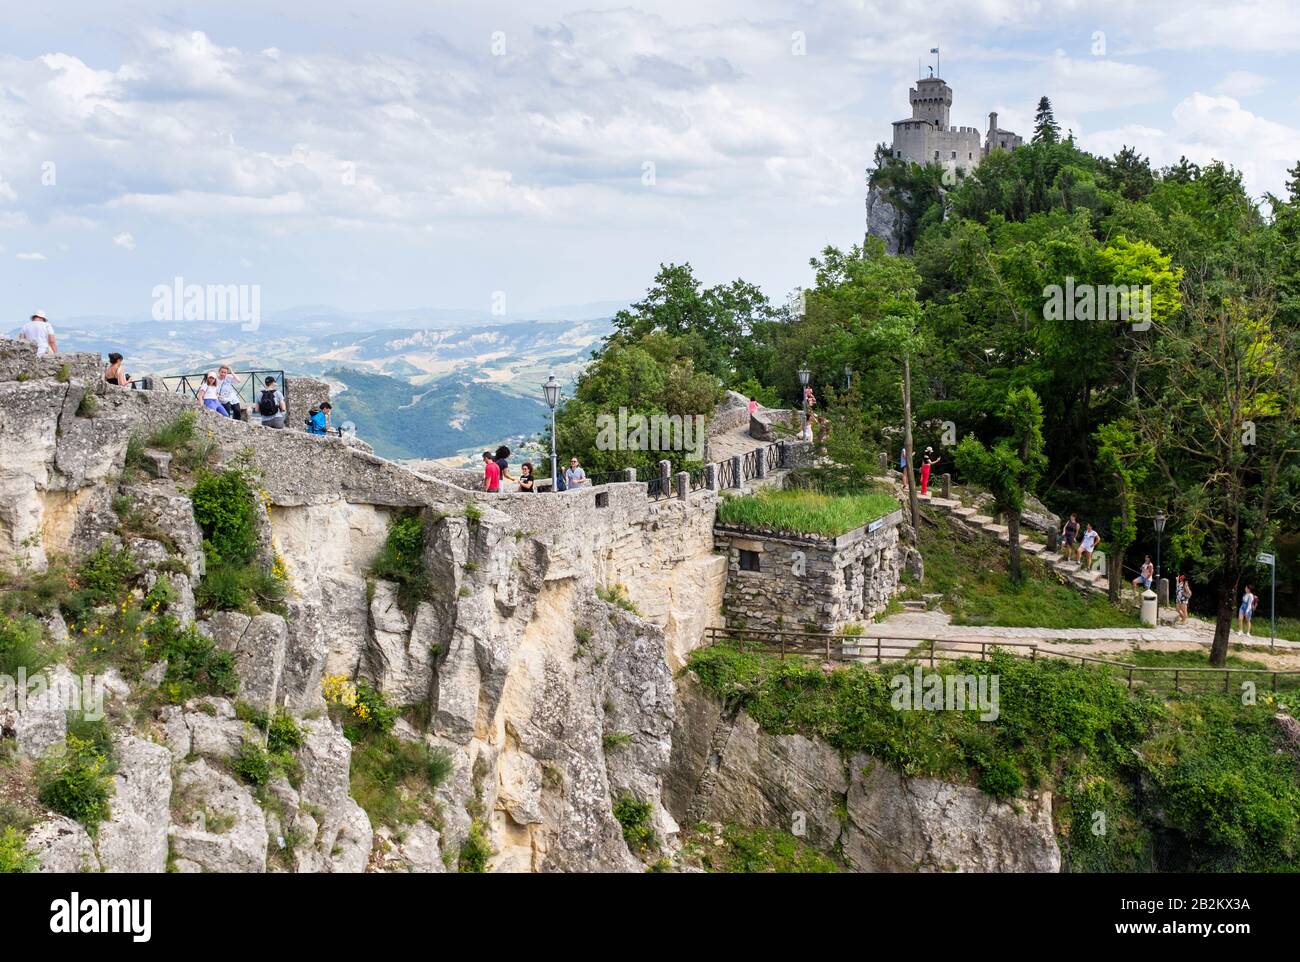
x=1158, y=522
x=551, y=390
x=848, y=378
x=805, y=376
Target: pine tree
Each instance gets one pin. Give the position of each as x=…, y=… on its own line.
x=1046, y=129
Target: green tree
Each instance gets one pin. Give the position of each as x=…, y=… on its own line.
x=1125, y=462
x=1012, y=465
x=1046, y=129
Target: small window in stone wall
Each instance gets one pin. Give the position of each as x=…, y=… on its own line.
x=602, y=499
x=748, y=560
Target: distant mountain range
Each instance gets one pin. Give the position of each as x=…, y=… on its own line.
x=426, y=383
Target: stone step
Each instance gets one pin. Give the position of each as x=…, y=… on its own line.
x=1033, y=547
x=964, y=512
x=913, y=604
x=982, y=520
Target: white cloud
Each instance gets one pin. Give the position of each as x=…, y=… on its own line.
x=1243, y=83
x=1208, y=128
x=31, y=256
x=1254, y=25
x=125, y=240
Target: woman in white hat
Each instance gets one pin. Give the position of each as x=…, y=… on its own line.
x=208, y=394
x=41, y=332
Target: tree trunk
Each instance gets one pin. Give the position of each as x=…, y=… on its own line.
x=907, y=444
x=1013, y=535
x=1114, y=574
x=1223, y=621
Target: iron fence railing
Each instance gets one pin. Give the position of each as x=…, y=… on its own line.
x=248, y=386
x=659, y=487
x=773, y=455
x=726, y=474
x=749, y=464
x=868, y=647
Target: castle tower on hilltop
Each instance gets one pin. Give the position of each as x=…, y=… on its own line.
x=927, y=137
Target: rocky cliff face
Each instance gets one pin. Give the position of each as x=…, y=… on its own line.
x=550, y=702
x=726, y=769
x=886, y=221
x=539, y=663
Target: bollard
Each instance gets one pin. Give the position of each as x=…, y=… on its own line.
x=785, y=454
x=683, y=485
x=629, y=474
x=665, y=471
x=945, y=485
x=711, y=477
x=1162, y=592
x=884, y=462
x=736, y=470
x=760, y=464
x=1052, y=538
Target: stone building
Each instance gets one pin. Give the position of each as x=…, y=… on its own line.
x=927, y=137
x=777, y=579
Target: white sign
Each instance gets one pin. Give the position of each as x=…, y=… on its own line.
x=1265, y=559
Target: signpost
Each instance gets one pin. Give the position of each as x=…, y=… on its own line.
x=1266, y=558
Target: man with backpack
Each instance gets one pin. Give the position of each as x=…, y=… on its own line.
x=270, y=405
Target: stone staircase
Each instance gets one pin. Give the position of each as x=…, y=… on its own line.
x=699, y=806
x=1093, y=580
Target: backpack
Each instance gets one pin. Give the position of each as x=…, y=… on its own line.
x=267, y=406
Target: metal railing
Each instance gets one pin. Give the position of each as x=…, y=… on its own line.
x=866, y=647
x=248, y=386
x=658, y=487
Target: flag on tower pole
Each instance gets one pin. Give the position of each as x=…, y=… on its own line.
x=937, y=71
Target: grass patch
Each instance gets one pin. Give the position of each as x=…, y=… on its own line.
x=973, y=578
x=753, y=850
x=634, y=817
x=77, y=781
x=806, y=512
x=394, y=780
x=22, y=645
x=617, y=596
x=15, y=857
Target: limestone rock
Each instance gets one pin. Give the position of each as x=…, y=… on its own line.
x=62, y=846
x=259, y=646
x=218, y=824
x=134, y=839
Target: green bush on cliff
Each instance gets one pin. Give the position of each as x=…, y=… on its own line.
x=1193, y=783
x=401, y=560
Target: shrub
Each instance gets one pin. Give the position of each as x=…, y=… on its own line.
x=1001, y=779
x=251, y=763
x=15, y=857
x=634, y=817
x=174, y=435
x=103, y=577
x=225, y=510
x=475, y=850
x=195, y=666
x=283, y=735
x=20, y=645
x=76, y=782
x=401, y=560
x=806, y=512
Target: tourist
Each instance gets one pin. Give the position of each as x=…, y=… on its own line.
x=1087, y=546
x=491, y=473
x=1182, y=595
x=271, y=404
x=574, y=476
x=1069, y=535
x=41, y=333
x=526, y=477
x=228, y=392
x=207, y=395
x=927, y=463
x=753, y=406
x=319, y=421
x=502, y=458
x=1146, y=575
x=113, y=374
x=1249, y=600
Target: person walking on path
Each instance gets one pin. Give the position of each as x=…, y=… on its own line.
x=1182, y=595
x=526, y=478
x=1249, y=601
x=41, y=333
x=927, y=463
x=502, y=458
x=1069, y=535
x=491, y=473
x=1087, y=546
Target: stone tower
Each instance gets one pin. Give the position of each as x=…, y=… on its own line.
x=931, y=100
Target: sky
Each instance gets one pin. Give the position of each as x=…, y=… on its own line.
x=511, y=157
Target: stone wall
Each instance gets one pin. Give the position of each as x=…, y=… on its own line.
x=820, y=584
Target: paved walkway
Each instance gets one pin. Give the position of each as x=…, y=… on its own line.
x=1196, y=634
